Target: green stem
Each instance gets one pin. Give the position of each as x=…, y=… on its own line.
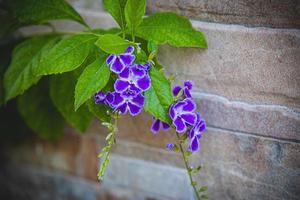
x=185, y=159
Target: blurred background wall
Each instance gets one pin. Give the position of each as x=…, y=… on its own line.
x=247, y=86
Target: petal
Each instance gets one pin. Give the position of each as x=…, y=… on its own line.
x=144, y=83
x=122, y=108
x=118, y=99
x=187, y=93
x=117, y=66
x=202, y=126
x=194, y=145
x=165, y=126
x=136, y=71
x=176, y=90
x=121, y=85
x=134, y=109
x=179, y=105
x=192, y=133
x=110, y=59
x=100, y=97
x=189, y=118
x=190, y=105
x=125, y=73
x=172, y=112
x=170, y=146
x=179, y=125
x=188, y=84
x=134, y=89
x=127, y=59
x=129, y=50
x=155, y=126
x=139, y=100
x=110, y=98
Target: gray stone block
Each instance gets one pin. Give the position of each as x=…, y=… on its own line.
x=266, y=120
x=278, y=13
x=164, y=182
x=256, y=65
x=242, y=166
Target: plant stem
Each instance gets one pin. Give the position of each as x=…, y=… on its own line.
x=185, y=159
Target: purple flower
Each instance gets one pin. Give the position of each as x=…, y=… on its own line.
x=133, y=78
x=119, y=63
x=188, y=85
x=196, y=133
x=157, y=124
x=100, y=98
x=170, y=146
x=182, y=114
x=126, y=101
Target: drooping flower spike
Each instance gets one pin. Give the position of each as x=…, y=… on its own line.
x=183, y=115
x=157, y=124
x=119, y=62
x=196, y=133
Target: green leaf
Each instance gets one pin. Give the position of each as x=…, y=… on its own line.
x=162, y=87
x=159, y=97
x=203, y=189
x=67, y=55
x=93, y=79
x=204, y=196
x=134, y=12
x=39, y=113
x=99, y=111
x=112, y=43
x=152, y=48
x=170, y=28
x=116, y=9
x=41, y=11
x=25, y=60
x=62, y=94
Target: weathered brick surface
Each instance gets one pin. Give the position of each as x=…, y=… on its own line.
x=241, y=166
x=267, y=120
x=246, y=12
x=247, y=87
x=235, y=165
x=278, y=13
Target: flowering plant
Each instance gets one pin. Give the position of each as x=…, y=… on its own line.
x=112, y=73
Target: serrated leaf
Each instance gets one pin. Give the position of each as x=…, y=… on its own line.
x=62, y=94
x=134, y=12
x=67, y=55
x=26, y=58
x=116, y=10
x=170, y=28
x=112, y=43
x=93, y=79
x=99, y=111
x=159, y=97
x=39, y=113
x=41, y=11
x=204, y=196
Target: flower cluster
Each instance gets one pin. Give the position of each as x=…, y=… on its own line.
x=184, y=118
x=132, y=81
x=127, y=97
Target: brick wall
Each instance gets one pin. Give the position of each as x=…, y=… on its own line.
x=247, y=84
